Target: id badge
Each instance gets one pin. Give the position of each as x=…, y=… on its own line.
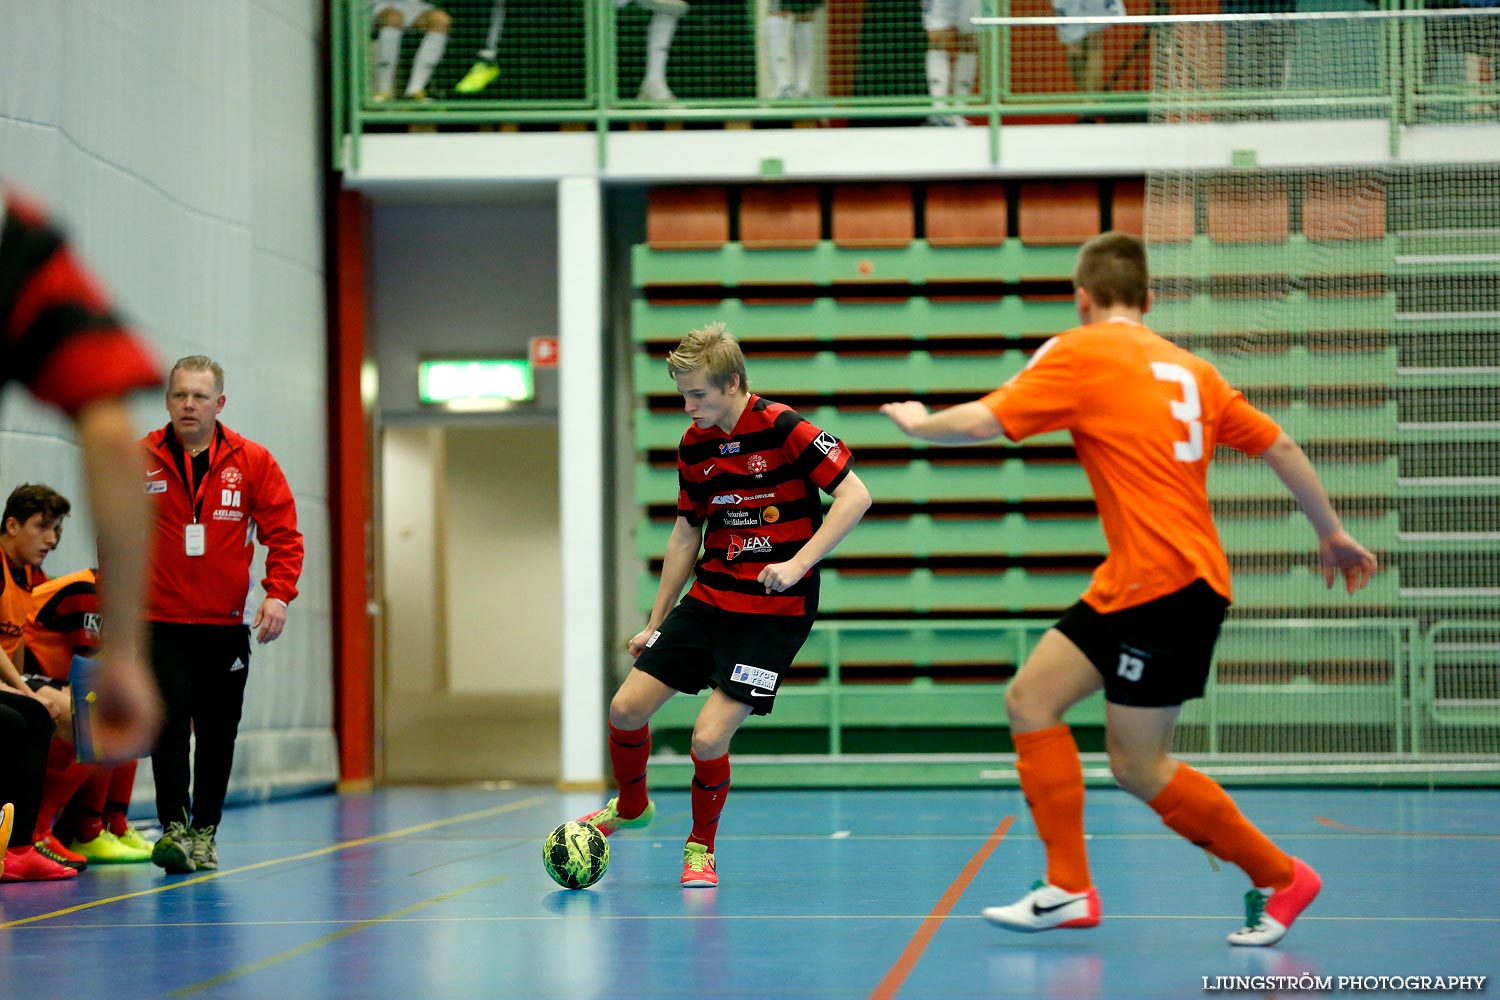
x=192, y=537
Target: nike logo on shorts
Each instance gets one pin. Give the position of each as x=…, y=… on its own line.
x=758, y=693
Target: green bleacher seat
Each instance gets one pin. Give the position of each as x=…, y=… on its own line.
x=1297, y=259
x=830, y=319
x=1296, y=312
x=900, y=376
x=916, y=262
x=1297, y=591
x=662, y=429
x=1014, y=479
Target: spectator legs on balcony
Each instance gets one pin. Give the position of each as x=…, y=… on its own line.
x=952, y=54
x=659, y=33
x=392, y=18
x=791, y=33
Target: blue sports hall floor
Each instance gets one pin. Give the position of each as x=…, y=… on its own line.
x=439, y=893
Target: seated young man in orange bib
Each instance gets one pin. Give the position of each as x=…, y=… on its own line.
x=1145, y=417
x=749, y=473
x=66, y=622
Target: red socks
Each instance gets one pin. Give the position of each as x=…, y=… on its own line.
x=710, y=789
x=1194, y=806
x=1052, y=781
x=64, y=777
x=89, y=803
x=629, y=749
x=117, y=800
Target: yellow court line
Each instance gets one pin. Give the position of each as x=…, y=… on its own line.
x=316, y=943
x=330, y=849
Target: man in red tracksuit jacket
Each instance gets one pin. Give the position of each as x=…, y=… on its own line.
x=213, y=494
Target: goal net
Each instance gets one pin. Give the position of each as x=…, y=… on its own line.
x=1360, y=306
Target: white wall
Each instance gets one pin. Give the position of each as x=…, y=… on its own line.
x=178, y=142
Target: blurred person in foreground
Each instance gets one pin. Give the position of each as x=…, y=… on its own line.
x=60, y=337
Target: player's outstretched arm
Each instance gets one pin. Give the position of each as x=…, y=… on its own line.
x=683, y=546
x=966, y=423
x=851, y=498
x=1338, y=552
x=129, y=707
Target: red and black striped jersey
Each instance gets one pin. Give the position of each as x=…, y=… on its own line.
x=756, y=490
x=64, y=622
x=57, y=333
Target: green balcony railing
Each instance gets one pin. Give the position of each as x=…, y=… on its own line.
x=584, y=66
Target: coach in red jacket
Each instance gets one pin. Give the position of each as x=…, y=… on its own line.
x=213, y=493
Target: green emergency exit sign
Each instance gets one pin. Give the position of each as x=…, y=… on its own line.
x=474, y=383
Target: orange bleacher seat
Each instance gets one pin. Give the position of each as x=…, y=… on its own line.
x=1343, y=209
x=687, y=218
x=1058, y=212
x=873, y=215
x=966, y=215
x=1171, y=213
x=780, y=217
x=1243, y=211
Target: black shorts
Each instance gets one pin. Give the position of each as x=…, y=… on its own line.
x=38, y=681
x=1154, y=655
x=745, y=656
x=795, y=6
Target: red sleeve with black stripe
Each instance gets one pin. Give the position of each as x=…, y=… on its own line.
x=58, y=335
x=66, y=624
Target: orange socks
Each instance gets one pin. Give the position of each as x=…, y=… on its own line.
x=1052, y=781
x=1194, y=806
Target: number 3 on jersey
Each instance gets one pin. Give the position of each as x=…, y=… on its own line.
x=1187, y=409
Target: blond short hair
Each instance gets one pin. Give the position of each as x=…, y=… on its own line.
x=711, y=349
x=199, y=363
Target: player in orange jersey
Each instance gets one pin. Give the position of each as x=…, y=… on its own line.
x=1145, y=417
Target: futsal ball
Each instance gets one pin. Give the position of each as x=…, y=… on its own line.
x=576, y=855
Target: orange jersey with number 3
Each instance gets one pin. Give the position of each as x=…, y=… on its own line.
x=1145, y=417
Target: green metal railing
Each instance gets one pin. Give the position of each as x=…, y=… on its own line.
x=1388, y=80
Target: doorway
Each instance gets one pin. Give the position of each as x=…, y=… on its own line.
x=471, y=594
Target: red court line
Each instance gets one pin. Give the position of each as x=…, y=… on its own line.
x=1403, y=833
x=923, y=937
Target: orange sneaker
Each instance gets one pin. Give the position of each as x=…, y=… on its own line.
x=7, y=820
x=608, y=819
x=27, y=864
x=1269, y=912
x=698, y=867
x=51, y=848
